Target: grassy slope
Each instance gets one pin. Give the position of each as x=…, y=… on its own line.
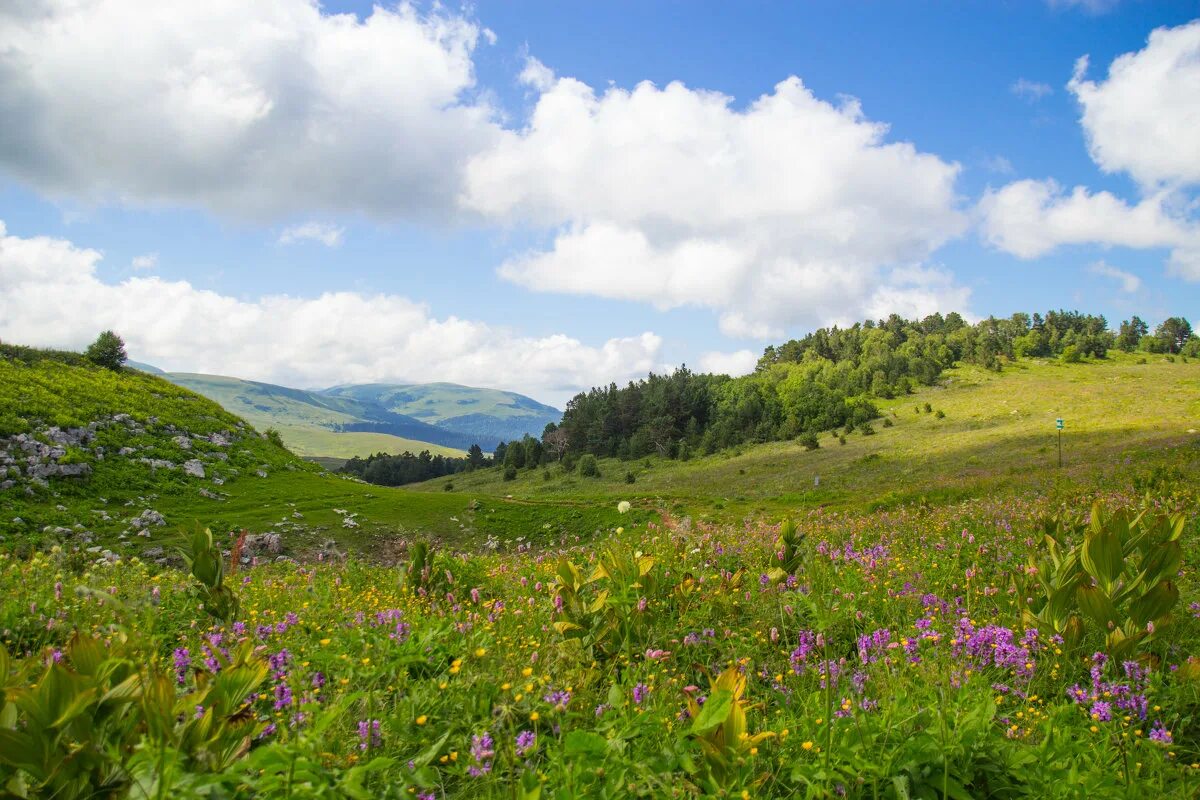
x=505, y=414
x=1122, y=419
x=303, y=418
x=998, y=435
x=32, y=398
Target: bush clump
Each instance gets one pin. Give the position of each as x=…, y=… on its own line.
x=589, y=467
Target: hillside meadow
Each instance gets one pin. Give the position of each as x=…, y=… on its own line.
x=947, y=614
x=1122, y=417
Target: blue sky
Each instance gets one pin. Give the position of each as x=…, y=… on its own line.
x=462, y=239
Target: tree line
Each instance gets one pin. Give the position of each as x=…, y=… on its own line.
x=396, y=470
x=822, y=382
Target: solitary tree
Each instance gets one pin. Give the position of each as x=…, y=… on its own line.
x=1173, y=333
x=107, y=351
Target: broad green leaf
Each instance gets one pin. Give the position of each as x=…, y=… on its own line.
x=1101, y=554
x=1096, y=605
x=713, y=712
x=1160, y=599
x=1163, y=562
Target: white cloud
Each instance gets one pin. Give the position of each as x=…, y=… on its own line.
x=1130, y=283
x=1030, y=218
x=1144, y=118
x=740, y=362
x=328, y=235
x=247, y=109
x=51, y=295
x=1030, y=90
x=998, y=164
x=788, y=212
x=537, y=75
x=147, y=261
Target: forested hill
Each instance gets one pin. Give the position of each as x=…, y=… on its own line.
x=827, y=380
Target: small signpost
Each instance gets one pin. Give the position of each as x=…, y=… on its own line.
x=1058, y=423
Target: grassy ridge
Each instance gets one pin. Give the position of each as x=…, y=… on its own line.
x=998, y=435
x=309, y=422
x=50, y=393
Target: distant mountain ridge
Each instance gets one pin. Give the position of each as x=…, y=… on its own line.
x=360, y=419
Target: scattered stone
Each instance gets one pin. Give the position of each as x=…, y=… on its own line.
x=194, y=467
x=148, y=519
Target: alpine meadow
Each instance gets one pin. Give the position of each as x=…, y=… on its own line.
x=559, y=401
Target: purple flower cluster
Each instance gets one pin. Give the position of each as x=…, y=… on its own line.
x=369, y=735
x=279, y=663
x=526, y=742
x=996, y=646
x=483, y=750
x=213, y=649
x=559, y=699
x=873, y=646
x=1127, y=696
x=183, y=662
x=808, y=641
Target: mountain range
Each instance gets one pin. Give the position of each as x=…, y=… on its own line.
x=360, y=419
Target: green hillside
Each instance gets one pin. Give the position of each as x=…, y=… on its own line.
x=311, y=423
x=1123, y=417
x=361, y=420
x=101, y=460
x=489, y=414
x=907, y=578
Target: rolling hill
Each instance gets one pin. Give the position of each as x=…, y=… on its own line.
x=359, y=420
x=489, y=415
x=120, y=462
x=1124, y=417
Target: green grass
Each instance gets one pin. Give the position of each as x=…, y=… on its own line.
x=1123, y=419
x=998, y=435
x=320, y=442
x=51, y=393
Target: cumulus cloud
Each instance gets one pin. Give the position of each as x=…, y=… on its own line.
x=245, y=109
x=1029, y=218
x=51, y=295
x=144, y=262
x=740, y=362
x=1144, y=117
x=785, y=213
x=1129, y=282
x=1030, y=90
x=328, y=235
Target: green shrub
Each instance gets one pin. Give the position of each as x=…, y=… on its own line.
x=107, y=351
x=510, y=472
x=940, y=414
x=887, y=422
x=629, y=477
x=809, y=440
x=589, y=467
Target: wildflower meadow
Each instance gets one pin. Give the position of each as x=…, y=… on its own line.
x=995, y=648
